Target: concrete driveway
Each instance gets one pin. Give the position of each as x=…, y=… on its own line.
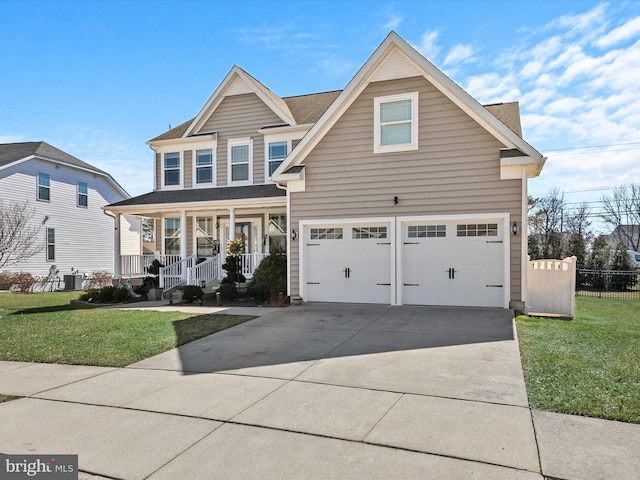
x=317, y=391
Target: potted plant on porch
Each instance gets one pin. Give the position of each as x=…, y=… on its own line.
x=154, y=292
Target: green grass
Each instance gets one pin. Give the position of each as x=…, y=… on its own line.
x=587, y=366
x=6, y=398
x=45, y=328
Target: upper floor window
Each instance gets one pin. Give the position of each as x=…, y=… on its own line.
x=83, y=194
x=204, y=166
x=44, y=188
x=240, y=154
x=396, y=123
x=171, y=169
x=277, y=153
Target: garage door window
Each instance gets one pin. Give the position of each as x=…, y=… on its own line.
x=369, y=232
x=427, y=231
x=478, y=230
x=326, y=233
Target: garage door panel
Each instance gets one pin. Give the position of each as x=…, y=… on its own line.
x=352, y=267
x=453, y=263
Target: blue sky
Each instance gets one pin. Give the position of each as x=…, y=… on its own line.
x=98, y=79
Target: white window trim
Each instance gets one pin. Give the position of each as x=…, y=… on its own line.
x=268, y=140
x=377, y=101
x=236, y=142
x=38, y=187
x=78, y=195
x=181, y=166
x=213, y=145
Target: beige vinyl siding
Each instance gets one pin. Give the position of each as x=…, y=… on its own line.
x=456, y=170
x=187, y=165
x=158, y=171
x=240, y=116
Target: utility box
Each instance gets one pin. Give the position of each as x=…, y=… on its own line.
x=73, y=282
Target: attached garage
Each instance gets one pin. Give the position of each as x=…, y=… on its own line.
x=457, y=261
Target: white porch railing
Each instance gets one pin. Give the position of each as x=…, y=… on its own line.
x=137, y=265
x=186, y=272
x=176, y=273
x=207, y=271
x=250, y=261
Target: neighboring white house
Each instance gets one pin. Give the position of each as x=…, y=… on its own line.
x=67, y=196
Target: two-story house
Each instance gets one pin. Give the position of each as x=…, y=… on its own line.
x=399, y=189
x=66, y=196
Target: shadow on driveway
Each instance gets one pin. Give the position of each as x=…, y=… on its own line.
x=315, y=331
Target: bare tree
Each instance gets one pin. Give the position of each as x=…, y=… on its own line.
x=621, y=211
x=545, y=222
x=19, y=240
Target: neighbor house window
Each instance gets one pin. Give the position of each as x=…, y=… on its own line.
x=277, y=153
x=172, y=236
x=204, y=166
x=171, y=169
x=204, y=236
x=396, y=123
x=51, y=244
x=240, y=154
x=83, y=194
x=44, y=188
x=277, y=232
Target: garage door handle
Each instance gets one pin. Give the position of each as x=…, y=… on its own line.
x=313, y=283
x=497, y=286
x=387, y=284
x=313, y=244
x=494, y=241
x=411, y=284
x=411, y=243
x=383, y=243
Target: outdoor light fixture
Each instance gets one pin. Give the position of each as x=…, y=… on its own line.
x=395, y=200
x=294, y=234
x=514, y=228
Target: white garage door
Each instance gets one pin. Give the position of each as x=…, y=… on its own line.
x=453, y=263
x=348, y=263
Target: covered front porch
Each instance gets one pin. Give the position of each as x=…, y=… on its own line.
x=190, y=237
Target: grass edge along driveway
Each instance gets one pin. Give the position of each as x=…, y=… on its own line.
x=45, y=328
x=588, y=366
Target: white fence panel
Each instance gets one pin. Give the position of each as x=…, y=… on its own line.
x=551, y=287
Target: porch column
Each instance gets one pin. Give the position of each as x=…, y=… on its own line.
x=183, y=234
x=232, y=224
x=117, y=252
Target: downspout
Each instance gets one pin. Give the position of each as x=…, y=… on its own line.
x=286, y=189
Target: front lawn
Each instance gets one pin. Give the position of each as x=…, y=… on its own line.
x=587, y=366
x=44, y=327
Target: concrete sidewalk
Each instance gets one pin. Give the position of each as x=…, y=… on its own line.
x=321, y=391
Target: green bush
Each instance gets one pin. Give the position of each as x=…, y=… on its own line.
x=228, y=292
x=121, y=295
x=270, y=278
x=108, y=294
x=191, y=293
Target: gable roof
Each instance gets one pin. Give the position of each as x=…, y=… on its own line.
x=12, y=153
x=401, y=53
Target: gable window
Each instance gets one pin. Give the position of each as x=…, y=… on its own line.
x=240, y=155
x=171, y=169
x=395, y=123
x=172, y=236
x=277, y=153
x=83, y=194
x=51, y=244
x=44, y=188
x=204, y=166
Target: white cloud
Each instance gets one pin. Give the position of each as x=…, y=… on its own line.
x=459, y=54
x=625, y=32
x=427, y=46
x=7, y=138
x=393, y=22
